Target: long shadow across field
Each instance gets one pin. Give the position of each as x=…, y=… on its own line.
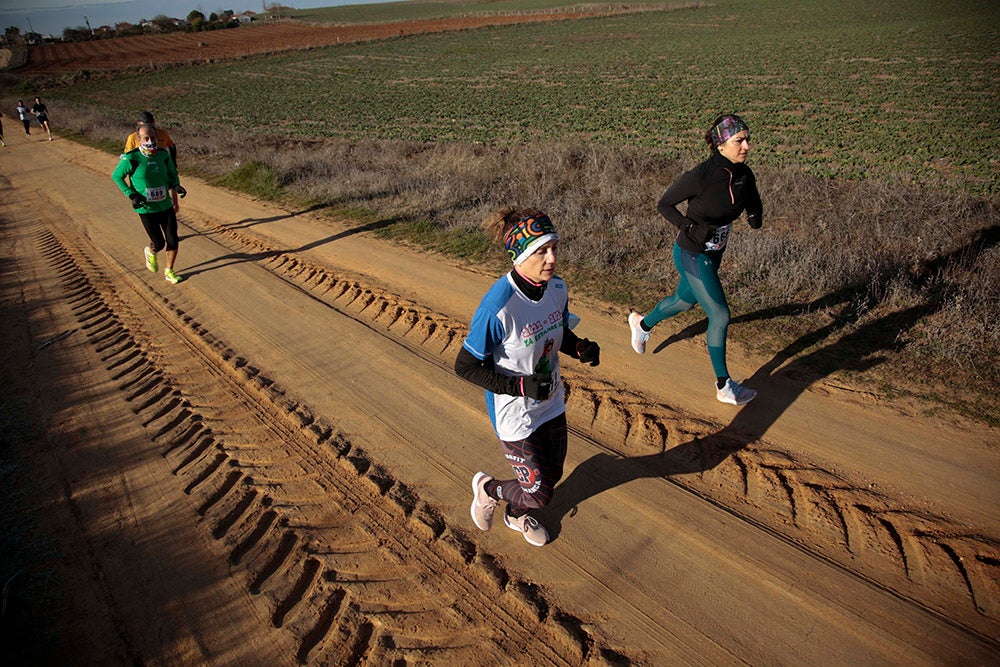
x=240, y=257
x=858, y=351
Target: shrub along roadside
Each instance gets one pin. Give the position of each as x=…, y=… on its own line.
x=875, y=282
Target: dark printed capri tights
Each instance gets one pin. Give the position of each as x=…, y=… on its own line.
x=537, y=462
x=161, y=227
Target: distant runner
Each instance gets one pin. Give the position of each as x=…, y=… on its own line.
x=148, y=176
x=24, y=114
x=512, y=351
x=42, y=116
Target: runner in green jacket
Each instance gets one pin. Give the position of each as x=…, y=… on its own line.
x=148, y=176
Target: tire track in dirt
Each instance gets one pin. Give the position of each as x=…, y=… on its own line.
x=351, y=561
x=921, y=557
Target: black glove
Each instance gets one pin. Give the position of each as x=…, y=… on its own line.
x=588, y=352
x=138, y=201
x=754, y=220
x=179, y=189
x=537, y=386
x=700, y=232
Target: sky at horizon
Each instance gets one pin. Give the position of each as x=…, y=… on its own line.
x=53, y=16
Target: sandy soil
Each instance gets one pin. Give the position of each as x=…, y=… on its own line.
x=269, y=464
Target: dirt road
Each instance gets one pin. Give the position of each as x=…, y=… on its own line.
x=269, y=463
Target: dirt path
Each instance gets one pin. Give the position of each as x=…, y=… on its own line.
x=270, y=462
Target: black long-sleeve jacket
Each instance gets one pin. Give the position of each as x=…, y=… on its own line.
x=717, y=192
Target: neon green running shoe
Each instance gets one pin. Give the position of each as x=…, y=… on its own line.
x=171, y=277
x=150, y=259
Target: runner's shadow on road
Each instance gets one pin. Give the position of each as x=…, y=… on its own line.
x=247, y=223
x=787, y=373
x=241, y=257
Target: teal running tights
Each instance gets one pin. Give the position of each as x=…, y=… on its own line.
x=699, y=283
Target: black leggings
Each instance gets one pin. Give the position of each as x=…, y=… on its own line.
x=537, y=462
x=161, y=227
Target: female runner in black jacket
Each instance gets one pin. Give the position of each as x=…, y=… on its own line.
x=717, y=192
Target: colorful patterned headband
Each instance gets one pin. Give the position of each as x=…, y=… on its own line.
x=527, y=236
x=727, y=128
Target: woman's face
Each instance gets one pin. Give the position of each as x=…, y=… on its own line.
x=736, y=147
x=541, y=264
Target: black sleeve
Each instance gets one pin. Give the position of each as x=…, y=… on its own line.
x=569, y=342
x=173, y=153
x=478, y=373
x=684, y=188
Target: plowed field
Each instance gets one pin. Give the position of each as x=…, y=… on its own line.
x=178, y=48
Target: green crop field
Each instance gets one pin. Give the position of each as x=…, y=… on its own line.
x=849, y=88
x=413, y=11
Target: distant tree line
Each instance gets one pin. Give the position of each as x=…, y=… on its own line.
x=196, y=21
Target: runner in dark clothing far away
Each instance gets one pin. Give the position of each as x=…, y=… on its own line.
x=42, y=116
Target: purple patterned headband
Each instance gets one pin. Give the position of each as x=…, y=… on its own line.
x=727, y=128
x=527, y=236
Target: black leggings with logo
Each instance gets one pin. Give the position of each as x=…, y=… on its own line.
x=537, y=462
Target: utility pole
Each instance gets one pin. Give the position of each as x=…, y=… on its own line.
x=87, y=21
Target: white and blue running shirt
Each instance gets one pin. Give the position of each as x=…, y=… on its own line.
x=522, y=337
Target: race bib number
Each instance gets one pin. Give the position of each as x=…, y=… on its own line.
x=156, y=194
x=719, y=239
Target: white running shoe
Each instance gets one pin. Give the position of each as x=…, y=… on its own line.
x=533, y=532
x=150, y=258
x=639, y=337
x=482, y=505
x=735, y=393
